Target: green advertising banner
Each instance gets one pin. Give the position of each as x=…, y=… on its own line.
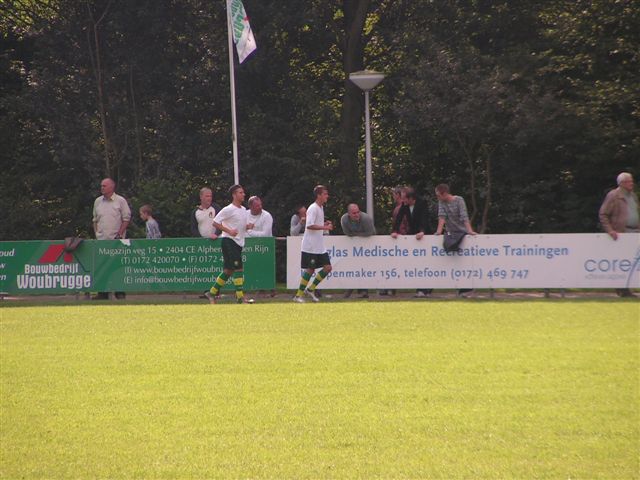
x=138, y=265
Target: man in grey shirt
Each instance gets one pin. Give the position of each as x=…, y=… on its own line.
x=452, y=215
x=357, y=224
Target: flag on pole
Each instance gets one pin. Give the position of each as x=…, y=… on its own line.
x=242, y=34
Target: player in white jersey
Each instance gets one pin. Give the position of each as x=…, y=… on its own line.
x=232, y=220
x=313, y=253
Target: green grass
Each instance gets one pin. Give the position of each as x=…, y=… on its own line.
x=350, y=390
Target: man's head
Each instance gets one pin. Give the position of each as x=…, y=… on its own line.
x=353, y=211
x=237, y=194
x=301, y=211
x=322, y=194
x=409, y=196
x=397, y=194
x=625, y=180
x=107, y=187
x=255, y=205
x=146, y=212
x=206, y=197
x=442, y=192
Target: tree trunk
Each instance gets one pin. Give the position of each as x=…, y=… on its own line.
x=96, y=63
x=139, y=170
x=487, y=200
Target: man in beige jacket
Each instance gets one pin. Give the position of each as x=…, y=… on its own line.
x=619, y=214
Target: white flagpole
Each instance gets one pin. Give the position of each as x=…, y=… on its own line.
x=232, y=80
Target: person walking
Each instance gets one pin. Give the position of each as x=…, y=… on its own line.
x=619, y=214
x=232, y=221
x=313, y=253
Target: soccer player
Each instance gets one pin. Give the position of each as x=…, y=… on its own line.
x=314, y=255
x=232, y=221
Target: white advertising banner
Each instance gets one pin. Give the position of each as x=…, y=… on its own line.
x=485, y=261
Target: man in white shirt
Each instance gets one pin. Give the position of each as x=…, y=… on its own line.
x=260, y=222
x=313, y=253
x=111, y=213
x=202, y=217
x=111, y=217
x=232, y=221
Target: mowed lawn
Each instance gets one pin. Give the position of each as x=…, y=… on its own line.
x=431, y=389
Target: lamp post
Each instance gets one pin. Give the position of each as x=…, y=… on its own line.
x=366, y=80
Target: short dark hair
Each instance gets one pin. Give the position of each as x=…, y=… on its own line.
x=233, y=188
x=442, y=188
x=319, y=189
x=410, y=192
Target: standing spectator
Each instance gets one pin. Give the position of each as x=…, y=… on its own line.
x=313, y=253
x=416, y=214
x=260, y=222
x=298, y=221
x=232, y=221
x=151, y=225
x=403, y=228
x=111, y=217
x=453, y=216
x=619, y=214
x=202, y=217
x=398, y=194
x=357, y=224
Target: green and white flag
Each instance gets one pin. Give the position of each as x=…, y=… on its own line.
x=242, y=34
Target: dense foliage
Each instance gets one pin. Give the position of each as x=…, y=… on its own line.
x=528, y=109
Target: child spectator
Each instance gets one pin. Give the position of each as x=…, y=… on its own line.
x=152, y=228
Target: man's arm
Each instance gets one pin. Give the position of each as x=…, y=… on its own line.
x=296, y=225
x=344, y=223
x=194, y=224
x=604, y=215
x=264, y=228
x=404, y=210
x=126, y=218
x=369, y=228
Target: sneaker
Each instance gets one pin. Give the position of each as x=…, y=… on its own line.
x=245, y=300
x=298, y=299
x=311, y=295
x=420, y=295
x=210, y=297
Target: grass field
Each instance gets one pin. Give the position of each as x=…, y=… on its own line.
x=539, y=389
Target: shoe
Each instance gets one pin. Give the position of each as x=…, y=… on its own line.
x=242, y=300
x=421, y=295
x=364, y=295
x=210, y=297
x=465, y=293
x=311, y=295
x=298, y=299
x=628, y=294
x=121, y=295
x=348, y=293
x=100, y=296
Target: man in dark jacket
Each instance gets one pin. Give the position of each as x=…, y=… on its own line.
x=418, y=218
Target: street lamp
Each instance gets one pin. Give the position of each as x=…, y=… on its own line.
x=367, y=80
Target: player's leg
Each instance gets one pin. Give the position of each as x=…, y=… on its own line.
x=322, y=274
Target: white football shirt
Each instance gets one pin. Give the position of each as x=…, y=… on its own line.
x=312, y=241
x=233, y=217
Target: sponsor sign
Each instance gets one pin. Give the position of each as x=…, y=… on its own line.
x=484, y=261
x=173, y=264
